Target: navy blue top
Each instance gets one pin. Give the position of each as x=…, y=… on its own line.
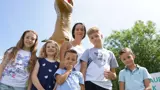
x=46, y=74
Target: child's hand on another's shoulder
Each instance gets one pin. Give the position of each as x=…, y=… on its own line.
x=108, y=74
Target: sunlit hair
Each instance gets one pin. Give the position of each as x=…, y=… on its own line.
x=12, y=55
x=43, y=53
x=92, y=30
x=124, y=50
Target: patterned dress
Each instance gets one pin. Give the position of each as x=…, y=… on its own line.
x=46, y=74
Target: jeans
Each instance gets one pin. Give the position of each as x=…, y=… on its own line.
x=6, y=87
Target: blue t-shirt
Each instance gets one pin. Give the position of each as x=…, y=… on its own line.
x=73, y=81
x=134, y=80
x=46, y=74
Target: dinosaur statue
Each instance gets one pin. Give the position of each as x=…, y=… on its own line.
x=62, y=32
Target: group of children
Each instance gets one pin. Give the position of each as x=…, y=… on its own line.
x=22, y=70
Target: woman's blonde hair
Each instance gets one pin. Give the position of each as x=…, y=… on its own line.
x=43, y=53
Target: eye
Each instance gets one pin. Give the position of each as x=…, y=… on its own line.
x=48, y=46
x=91, y=37
x=27, y=37
x=73, y=59
x=33, y=39
x=129, y=57
x=81, y=29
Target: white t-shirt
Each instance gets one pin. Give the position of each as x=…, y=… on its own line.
x=16, y=74
x=98, y=61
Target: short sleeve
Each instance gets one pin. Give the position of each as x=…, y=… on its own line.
x=146, y=74
x=58, y=72
x=81, y=79
x=121, y=76
x=85, y=56
x=113, y=61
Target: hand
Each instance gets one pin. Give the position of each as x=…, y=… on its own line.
x=69, y=67
x=108, y=74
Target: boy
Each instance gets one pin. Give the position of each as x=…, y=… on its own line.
x=98, y=64
x=68, y=78
x=133, y=77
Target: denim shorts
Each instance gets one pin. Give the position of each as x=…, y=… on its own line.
x=6, y=87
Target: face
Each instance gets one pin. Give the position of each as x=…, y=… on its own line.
x=95, y=38
x=29, y=40
x=127, y=58
x=79, y=31
x=70, y=59
x=51, y=49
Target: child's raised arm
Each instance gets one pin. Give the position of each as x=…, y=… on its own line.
x=61, y=78
x=35, y=78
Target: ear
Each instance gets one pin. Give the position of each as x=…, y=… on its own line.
x=101, y=36
x=134, y=56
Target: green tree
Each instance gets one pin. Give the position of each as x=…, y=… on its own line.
x=143, y=40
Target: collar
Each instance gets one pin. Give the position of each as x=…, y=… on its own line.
x=137, y=67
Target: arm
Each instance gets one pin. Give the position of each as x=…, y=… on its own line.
x=29, y=84
x=82, y=86
x=110, y=74
x=55, y=87
x=147, y=84
x=121, y=85
x=60, y=79
x=4, y=63
x=83, y=68
x=63, y=49
x=35, y=78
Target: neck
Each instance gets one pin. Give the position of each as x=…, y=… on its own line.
x=27, y=49
x=50, y=57
x=76, y=42
x=132, y=67
x=98, y=46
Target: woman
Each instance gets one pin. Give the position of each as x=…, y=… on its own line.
x=78, y=33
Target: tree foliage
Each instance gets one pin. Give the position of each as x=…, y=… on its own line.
x=143, y=40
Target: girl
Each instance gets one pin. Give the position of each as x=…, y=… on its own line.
x=18, y=62
x=46, y=66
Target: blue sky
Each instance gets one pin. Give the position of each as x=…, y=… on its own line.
x=16, y=16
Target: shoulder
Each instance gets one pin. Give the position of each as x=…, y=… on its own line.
x=122, y=71
x=78, y=73
x=57, y=63
x=108, y=51
x=66, y=44
x=40, y=60
x=142, y=68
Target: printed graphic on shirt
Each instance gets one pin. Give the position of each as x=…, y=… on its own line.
x=17, y=67
x=99, y=58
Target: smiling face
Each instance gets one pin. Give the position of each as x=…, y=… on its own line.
x=79, y=31
x=51, y=49
x=127, y=58
x=29, y=40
